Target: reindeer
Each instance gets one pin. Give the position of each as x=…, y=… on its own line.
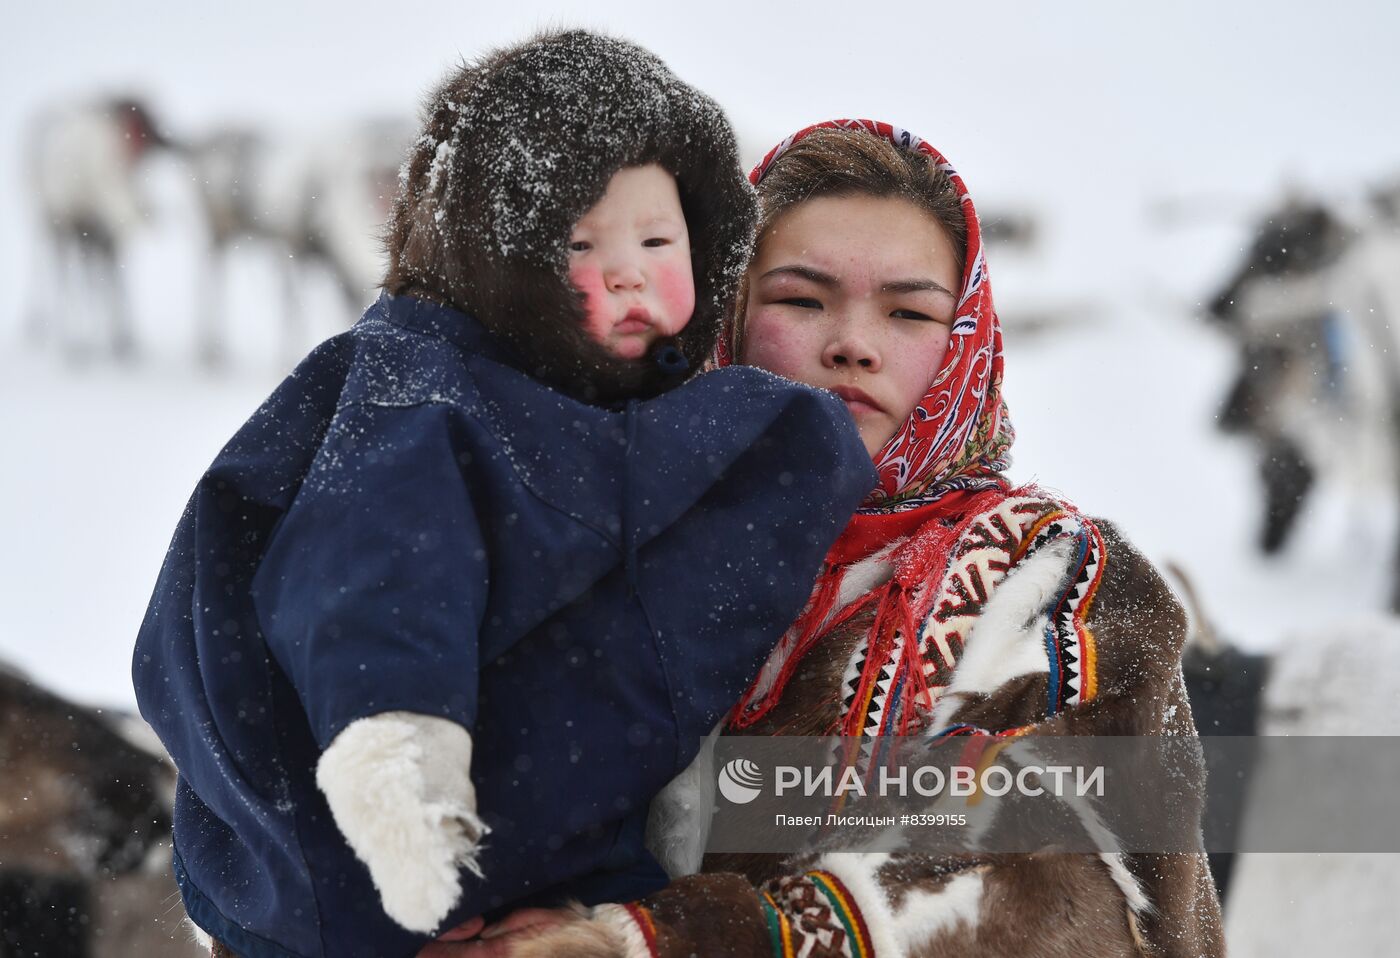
x=84, y=161
x=319, y=204
x=1313, y=309
x=84, y=832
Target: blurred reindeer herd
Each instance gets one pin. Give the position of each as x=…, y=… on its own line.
x=1313, y=310
x=1310, y=304
x=316, y=198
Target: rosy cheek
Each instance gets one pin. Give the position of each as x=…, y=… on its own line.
x=919, y=364
x=938, y=352
x=775, y=345
x=588, y=280
x=675, y=287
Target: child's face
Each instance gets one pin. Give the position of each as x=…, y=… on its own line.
x=630, y=257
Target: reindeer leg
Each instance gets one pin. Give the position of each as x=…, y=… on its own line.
x=1395, y=574
x=82, y=297
x=118, y=308
x=69, y=301
x=1287, y=478
x=1395, y=480
x=345, y=284
x=293, y=323
x=47, y=286
x=208, y=343
x=1237, y=411
x=1384, y=315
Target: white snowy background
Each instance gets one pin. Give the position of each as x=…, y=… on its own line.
x=1091, y=116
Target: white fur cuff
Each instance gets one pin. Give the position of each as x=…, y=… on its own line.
x=399, y=787
x=619, y=921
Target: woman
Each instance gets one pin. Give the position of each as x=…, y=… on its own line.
x=953, y=604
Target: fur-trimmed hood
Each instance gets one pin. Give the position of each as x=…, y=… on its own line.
x=515, y=148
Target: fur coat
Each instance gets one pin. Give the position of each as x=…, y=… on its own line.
x=925, y=907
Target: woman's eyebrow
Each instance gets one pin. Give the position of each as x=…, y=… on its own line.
x=805, y=272
x=915, y=286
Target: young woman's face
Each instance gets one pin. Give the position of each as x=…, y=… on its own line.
x=855, y=294
x=630, y=257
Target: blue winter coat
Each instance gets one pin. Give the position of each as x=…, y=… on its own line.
x=411, y=523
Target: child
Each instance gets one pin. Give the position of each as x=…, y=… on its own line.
x=453, y=577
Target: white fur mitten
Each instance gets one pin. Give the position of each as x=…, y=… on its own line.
x=399, y=787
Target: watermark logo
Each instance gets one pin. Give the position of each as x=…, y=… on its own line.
x=740, y=781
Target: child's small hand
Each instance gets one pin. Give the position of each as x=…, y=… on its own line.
x=545, y=933
x=500, y=940
x=464, y=931
x=523, y=918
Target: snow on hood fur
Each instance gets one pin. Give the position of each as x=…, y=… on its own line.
x=515, y=148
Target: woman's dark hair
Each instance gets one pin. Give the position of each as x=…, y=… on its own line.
x=847, y=162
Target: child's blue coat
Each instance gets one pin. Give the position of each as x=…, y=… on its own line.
x=412, y=523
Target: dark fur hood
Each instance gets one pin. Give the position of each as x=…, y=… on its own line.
x=515, y=149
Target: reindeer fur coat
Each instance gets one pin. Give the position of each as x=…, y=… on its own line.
x=974, y=906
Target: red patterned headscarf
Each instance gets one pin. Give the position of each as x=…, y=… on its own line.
x=945, y=463
x=959, y=436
